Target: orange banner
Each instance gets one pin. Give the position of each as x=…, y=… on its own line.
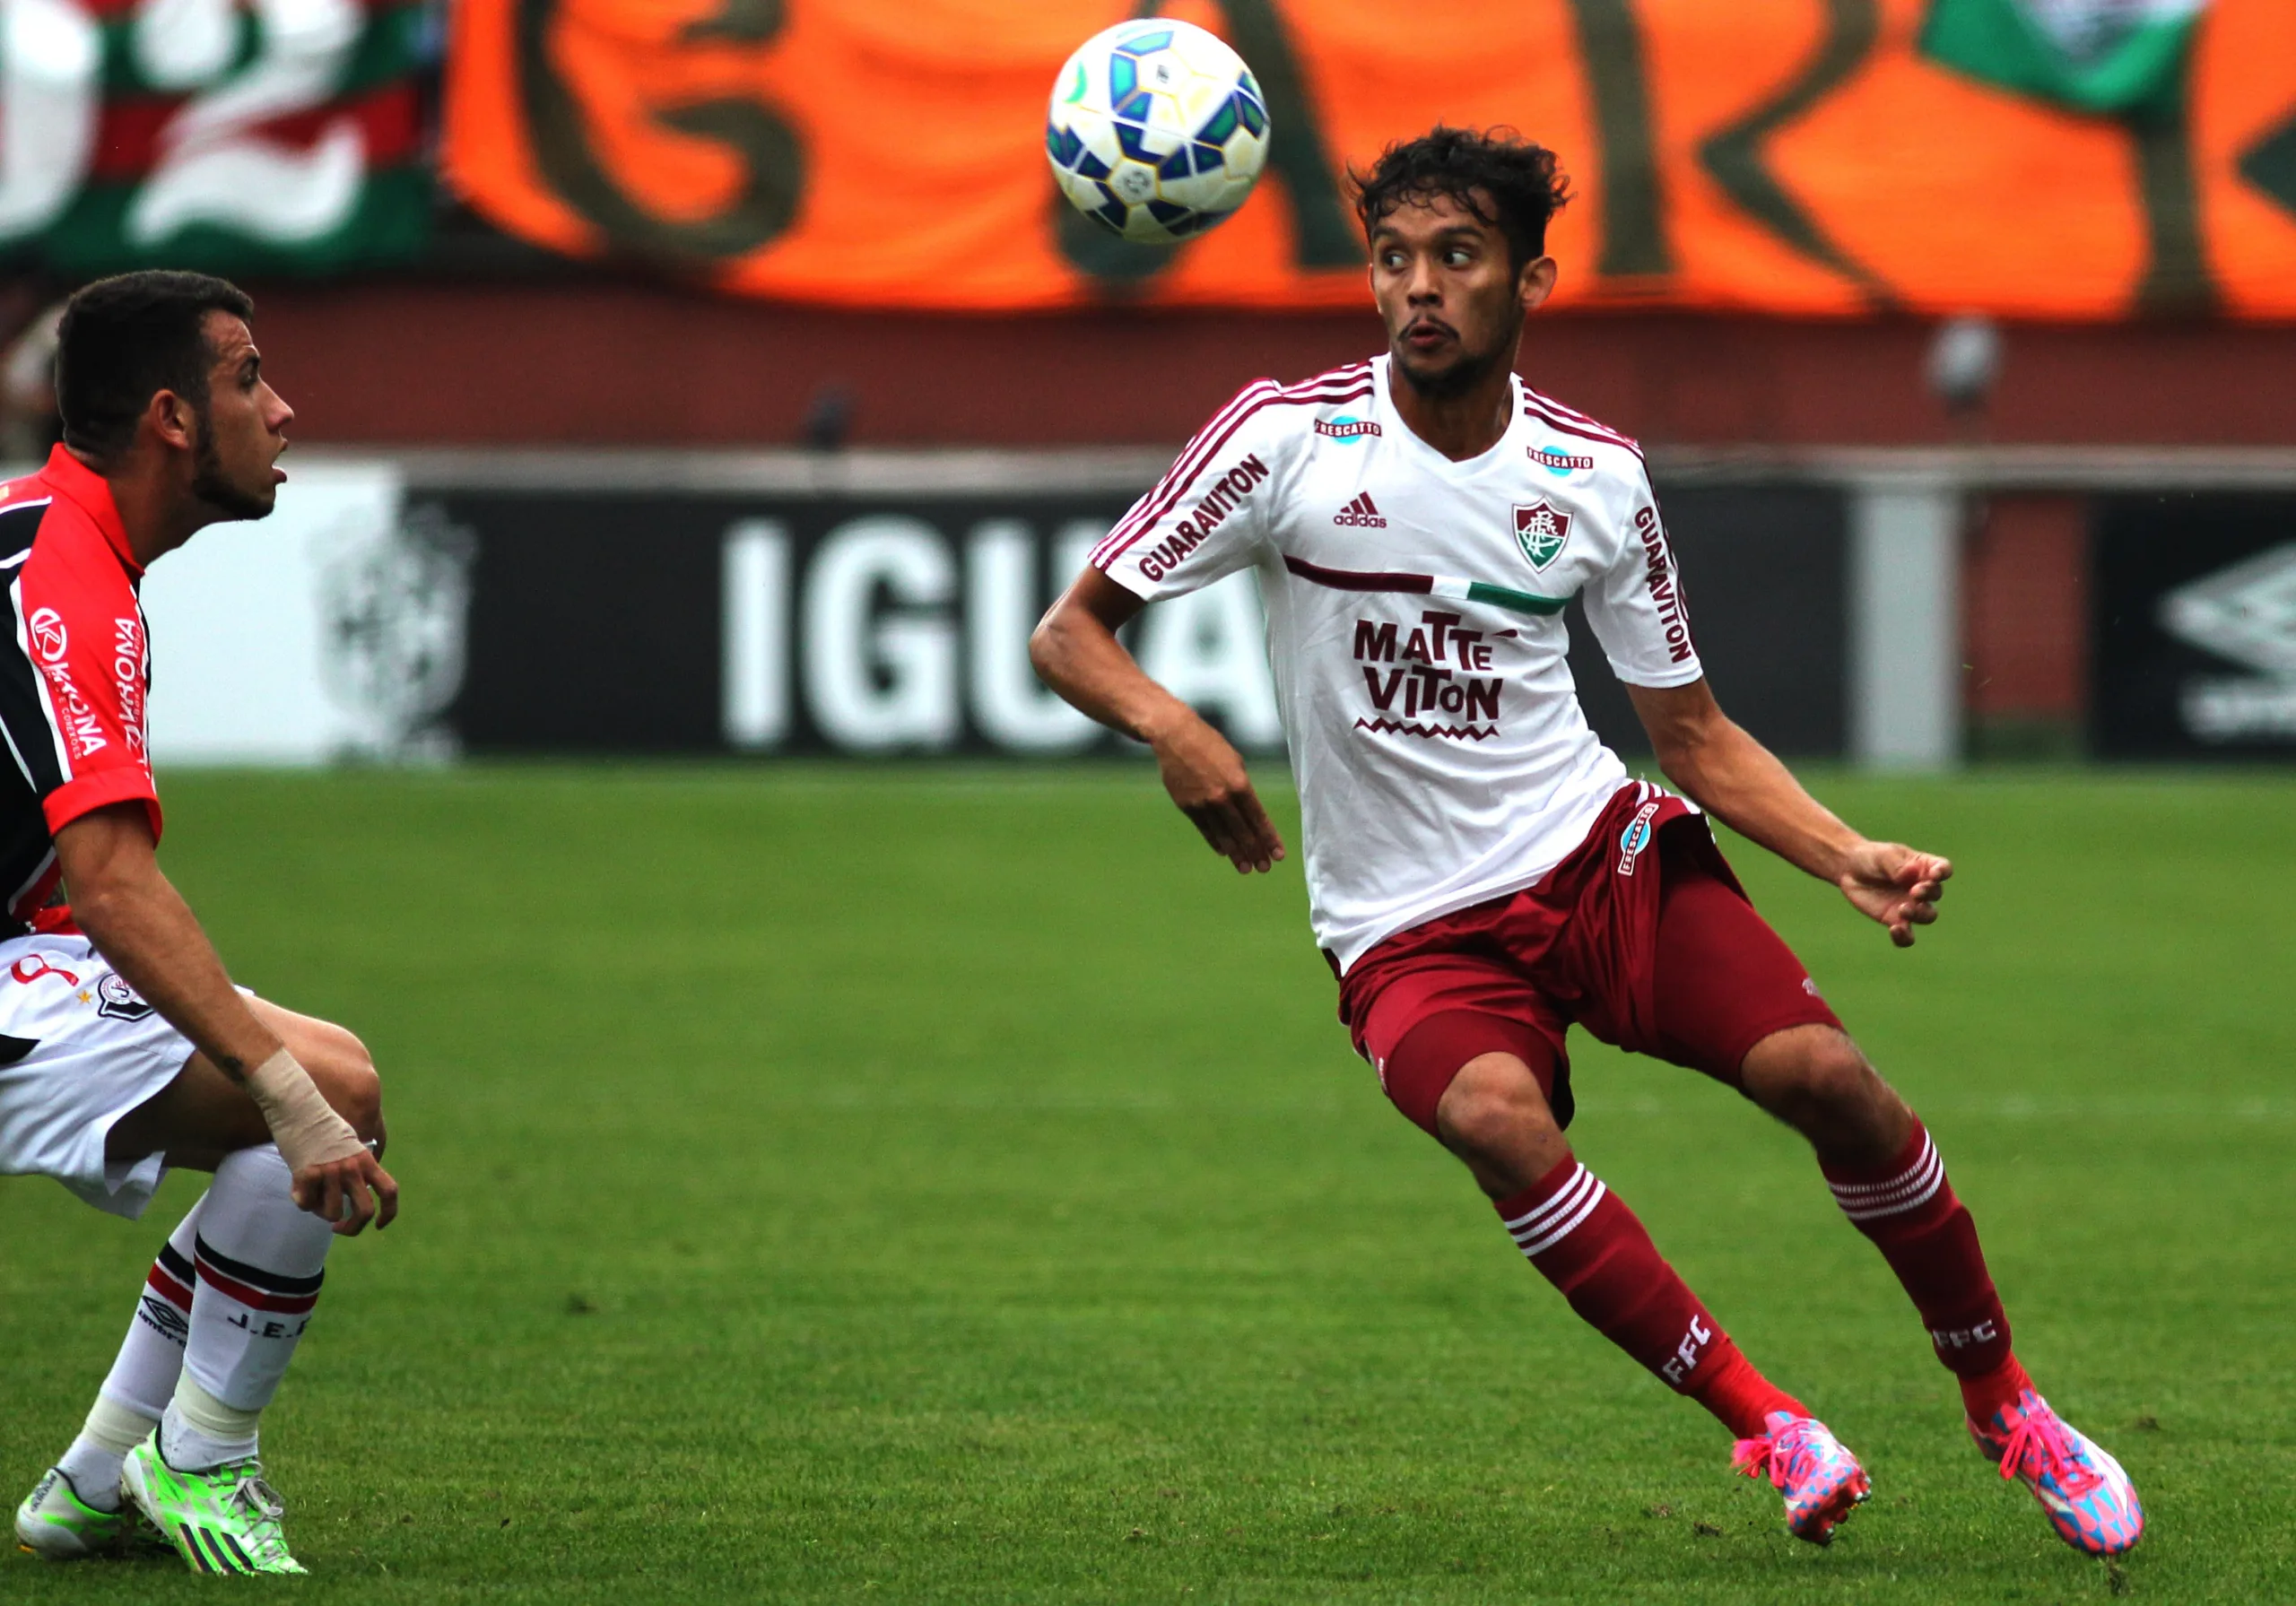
x=1798, y=157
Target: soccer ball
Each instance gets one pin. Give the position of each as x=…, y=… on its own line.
x=1158, y=130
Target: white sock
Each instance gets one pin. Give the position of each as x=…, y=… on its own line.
x=260, y=1262
x=143, y=1377
x=93, y=1461
x=200, y=1431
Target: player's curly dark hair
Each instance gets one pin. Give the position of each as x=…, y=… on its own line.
x=124, y=340
x=1491, y=171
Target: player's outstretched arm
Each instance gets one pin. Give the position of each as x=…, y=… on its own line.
x=1741, y=783
x=140, y=924
x=1076, y=653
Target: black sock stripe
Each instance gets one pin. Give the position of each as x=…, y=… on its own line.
x=172, y=1262
x=270, y=1282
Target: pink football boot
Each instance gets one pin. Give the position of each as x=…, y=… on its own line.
x=2090, y=1500
x=1821, y=1479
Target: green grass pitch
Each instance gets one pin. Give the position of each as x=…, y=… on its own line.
x=833, y=1185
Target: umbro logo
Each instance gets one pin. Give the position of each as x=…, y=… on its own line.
x=1360, y=513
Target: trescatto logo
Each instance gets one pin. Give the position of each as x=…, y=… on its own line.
x=1344, y=428
x=1636, y=836
x=1559, y=463
x=50, y=639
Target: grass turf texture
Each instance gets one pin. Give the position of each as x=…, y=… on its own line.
x=826, y=1185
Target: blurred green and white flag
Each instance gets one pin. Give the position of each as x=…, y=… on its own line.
x=2095, y=56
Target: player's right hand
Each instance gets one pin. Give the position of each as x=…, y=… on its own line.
x=1895, y=885
x=1206, y=777
x=348, y=1193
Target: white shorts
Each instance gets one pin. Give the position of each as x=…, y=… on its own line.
x=79, y=1049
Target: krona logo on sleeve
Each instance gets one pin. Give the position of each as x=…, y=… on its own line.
x=1227, y=494
x=49, y=638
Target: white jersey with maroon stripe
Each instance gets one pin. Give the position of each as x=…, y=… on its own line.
x=1413, y=610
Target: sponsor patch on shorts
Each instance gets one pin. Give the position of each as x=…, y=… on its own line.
x=1636, y=836
x=115, y=998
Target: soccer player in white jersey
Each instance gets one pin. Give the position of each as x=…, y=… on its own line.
x=1481, y=872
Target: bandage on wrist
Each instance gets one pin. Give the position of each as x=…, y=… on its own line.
x=302, y=1123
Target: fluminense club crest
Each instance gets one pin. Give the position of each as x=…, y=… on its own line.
x=1540, y=530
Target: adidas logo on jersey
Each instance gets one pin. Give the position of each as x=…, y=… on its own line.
x=1360, y=513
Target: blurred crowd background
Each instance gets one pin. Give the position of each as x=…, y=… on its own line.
x=726, y=376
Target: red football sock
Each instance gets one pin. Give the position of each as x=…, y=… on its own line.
x=1586, y=1242
x=1908, y=1209
x=1740, y=1397
x=1985, y=1392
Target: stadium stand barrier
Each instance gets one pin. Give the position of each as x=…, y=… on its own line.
x=431, y=603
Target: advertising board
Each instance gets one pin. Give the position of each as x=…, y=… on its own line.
x=384, y=612
x=2196, y=627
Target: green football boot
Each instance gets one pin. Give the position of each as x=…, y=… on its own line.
x=222, y=1520
x=54, y=1523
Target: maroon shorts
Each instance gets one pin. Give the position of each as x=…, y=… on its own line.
x=1642, y=935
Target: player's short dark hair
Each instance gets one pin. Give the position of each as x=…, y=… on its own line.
x=124, y=340
x=1510, y=183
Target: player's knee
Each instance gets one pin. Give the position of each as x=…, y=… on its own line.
x=339, y=1062
x=1493, y=1109
x=1835, y=1075
x=1815, y=1078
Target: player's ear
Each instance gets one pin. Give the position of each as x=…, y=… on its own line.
x=1536, y=283
x=172, y=419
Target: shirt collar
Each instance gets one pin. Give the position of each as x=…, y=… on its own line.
x=73, y=479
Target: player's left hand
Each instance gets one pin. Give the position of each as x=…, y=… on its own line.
x=1895, y=885
x=347, y=1193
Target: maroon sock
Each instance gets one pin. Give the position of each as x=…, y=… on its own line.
x=1586, y=1243
x=1908, y=1209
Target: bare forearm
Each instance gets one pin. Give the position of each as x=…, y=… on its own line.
x=142, y=926
x=1741, y=783
x=1076, y=653
x=1082, y=660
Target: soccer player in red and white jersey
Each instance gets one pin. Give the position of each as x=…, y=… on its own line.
x=124, y=1047
x=1481, y=872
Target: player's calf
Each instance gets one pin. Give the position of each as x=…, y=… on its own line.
x=1584, y=1240
x=258, y=1263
